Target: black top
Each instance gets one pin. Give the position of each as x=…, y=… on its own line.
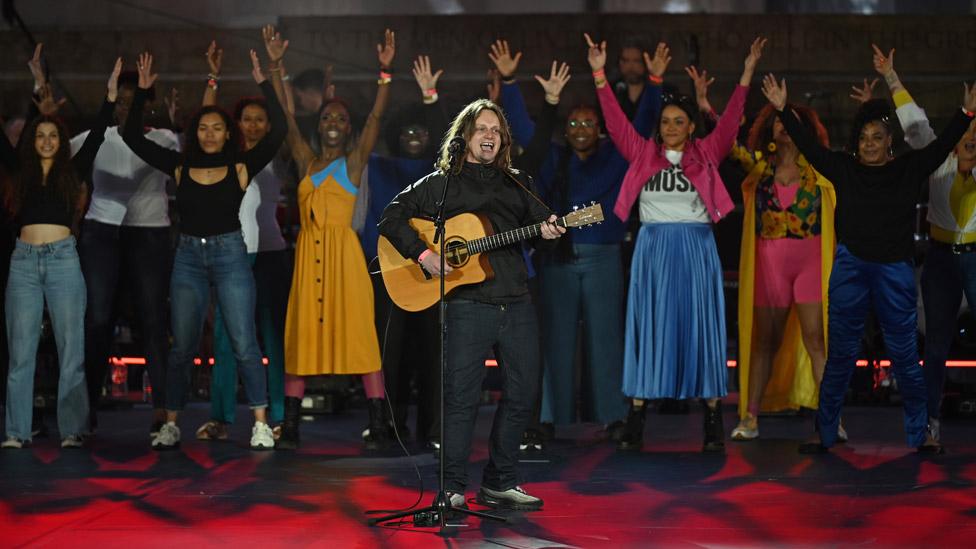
x=40, y=205
x=875, y=216
x=212, y=211
x=477, y=189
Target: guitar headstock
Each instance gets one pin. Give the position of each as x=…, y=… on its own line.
x=581, y=217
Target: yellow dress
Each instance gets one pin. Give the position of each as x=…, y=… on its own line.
x=329, y=328
x=791, y=384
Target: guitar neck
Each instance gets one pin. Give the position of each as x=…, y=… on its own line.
x=508, y=238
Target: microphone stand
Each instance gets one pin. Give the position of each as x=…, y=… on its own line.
x=441, y=506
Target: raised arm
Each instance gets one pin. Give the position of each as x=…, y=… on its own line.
x=265, y=150
x=622, y=133
x=721, y=139
x=371, y=129
x=649, y=107
x=505, y=66
x=215, y=57
x=85, y=157
x=157, y=156
x=915, y=124
x=538, y=148
x=927, y=159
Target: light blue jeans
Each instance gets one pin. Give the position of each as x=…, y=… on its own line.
x=219, y=261
x=38, y=273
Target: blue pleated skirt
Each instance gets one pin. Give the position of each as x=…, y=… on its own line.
x=675, y=338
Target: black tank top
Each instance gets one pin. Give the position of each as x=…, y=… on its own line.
x=208, y=210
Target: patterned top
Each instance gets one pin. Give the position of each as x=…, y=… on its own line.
x=801, y=219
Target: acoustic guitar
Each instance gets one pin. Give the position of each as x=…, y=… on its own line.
x=469, y=235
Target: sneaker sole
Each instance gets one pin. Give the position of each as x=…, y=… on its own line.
x=165, y=448
x=496, y=503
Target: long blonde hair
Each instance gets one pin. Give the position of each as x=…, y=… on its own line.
x=464, y=125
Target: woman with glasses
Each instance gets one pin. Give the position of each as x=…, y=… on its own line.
x=675, y=322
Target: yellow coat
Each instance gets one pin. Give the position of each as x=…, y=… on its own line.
x=791, y=384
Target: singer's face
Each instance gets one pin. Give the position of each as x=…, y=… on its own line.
x=486, y=140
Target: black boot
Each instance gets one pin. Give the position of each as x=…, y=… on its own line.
x=378, y=435
x=714, y=430
x=289, y=428
x=632, y=437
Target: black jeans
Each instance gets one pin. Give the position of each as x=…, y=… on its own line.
x=139, y=258
x=472, y=329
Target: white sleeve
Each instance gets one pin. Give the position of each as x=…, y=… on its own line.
x=915, y=124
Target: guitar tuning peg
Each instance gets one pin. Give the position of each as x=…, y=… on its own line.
x=592, y=202
x=575, y=208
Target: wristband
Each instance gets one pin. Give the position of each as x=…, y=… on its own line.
x=431, y=92
x=385, y=78
x=970, y=114
x=212, y=76
x=430, y=99
x=655, y=79
x=509, y=80
x=599, y=74
x=552, y=99
x=424, y=254
x=211, y=83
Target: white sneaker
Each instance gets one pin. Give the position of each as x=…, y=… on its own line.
x=457, y=500
x=743, y=431
x=513, y=498
x=262, y=437
x=168, y=437
x=72, y=441
x=12, y=443
x=841, y=433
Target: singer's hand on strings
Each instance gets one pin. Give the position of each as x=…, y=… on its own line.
x=432, y=264
x=551, y=231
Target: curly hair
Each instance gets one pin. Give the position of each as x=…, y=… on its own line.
x=874, y=110
x=761, y=133
x=61, y=181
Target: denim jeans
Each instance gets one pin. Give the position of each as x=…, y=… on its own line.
x=472, y=329
x=857, y=286
x=141, y=257
x=272, y=276
x=219, y=261
x=591, y=287
x=945, y=276
x=38, y=273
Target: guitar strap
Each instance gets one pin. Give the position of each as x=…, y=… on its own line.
x=527, y=191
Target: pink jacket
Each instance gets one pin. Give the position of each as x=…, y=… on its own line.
x=699, y=162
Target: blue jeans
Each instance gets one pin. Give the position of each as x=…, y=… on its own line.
x=590, y=286
x=472, y=329
x=272, y=276
x=219, y=261
x=142, y=256
x=52, y=273
x=945, y=276
x=857, y=286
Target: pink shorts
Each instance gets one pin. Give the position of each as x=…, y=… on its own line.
x=787, y=271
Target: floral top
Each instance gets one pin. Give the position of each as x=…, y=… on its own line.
x=799, y=220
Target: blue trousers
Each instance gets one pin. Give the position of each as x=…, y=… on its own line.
x=219, y=261
x=591, y=287
x=856, y=287
x=46, y=273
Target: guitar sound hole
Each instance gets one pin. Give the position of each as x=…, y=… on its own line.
x=456, y=252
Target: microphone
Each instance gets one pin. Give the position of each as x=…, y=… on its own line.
x=455, y=150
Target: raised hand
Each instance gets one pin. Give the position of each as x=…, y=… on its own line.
x=883, y=64
x=659, y=63
x=702, y=82
x=146, y=76
x=273, y=43
x=46, y=105
x=749, y=65
x=36, y=67
x=494, y=85
x=553, y=86
x=597, y=54
x=503, y=60
x=862, y=94
x=775, y=91
x=969, y=97
x=387, y=50
x=113, y=81
x=215, y=57
x=421, y=72
x=256, y=71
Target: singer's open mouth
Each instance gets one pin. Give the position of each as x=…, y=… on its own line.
x=487, y=146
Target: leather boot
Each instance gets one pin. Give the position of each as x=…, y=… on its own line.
x=632, y=436
x=377, y=436
x=289, y=428
x=714, y=430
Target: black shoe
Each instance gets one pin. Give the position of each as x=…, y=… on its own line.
x=532, y=441
x=514, y=498
x=376, y=436
x=714, y=430
x=289, y=439
x=813, y=448
x=632, y=437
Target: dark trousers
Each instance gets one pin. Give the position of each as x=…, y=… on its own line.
x=945, y=276
x=472, y=329
x=856, y=287
x=409, y=346
x=139, y=258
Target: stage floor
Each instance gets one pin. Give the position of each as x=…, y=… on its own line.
x=871, y=492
